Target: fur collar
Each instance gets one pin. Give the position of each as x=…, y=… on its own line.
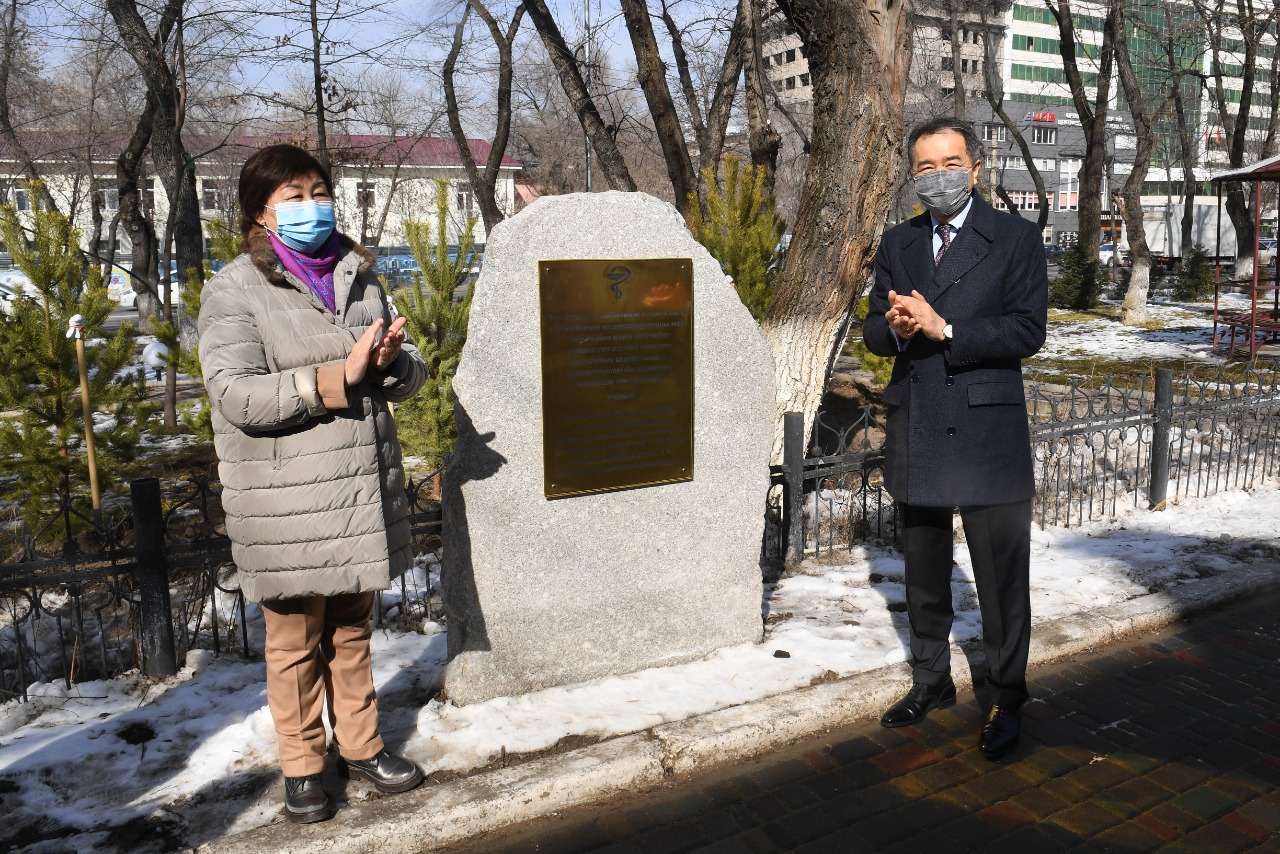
x=263, y=255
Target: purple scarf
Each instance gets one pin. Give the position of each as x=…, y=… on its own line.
x=316, y=270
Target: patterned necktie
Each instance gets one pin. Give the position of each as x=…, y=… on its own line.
x=944, y=231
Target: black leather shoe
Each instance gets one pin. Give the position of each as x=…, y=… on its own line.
x=1000, y=732
x=920, y=700
x=305, y=800
x=387, y=772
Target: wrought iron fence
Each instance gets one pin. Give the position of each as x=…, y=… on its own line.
x=1097, y=452
x=89, y=596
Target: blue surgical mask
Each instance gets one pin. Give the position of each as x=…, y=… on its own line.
x=305, y=225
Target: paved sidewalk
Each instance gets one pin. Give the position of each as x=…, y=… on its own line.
x=1168, y=742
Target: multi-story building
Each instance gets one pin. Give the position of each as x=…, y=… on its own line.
x=1022, y=40
x=380, y=183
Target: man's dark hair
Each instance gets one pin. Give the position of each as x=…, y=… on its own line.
x=264, y=171
x=946, y=124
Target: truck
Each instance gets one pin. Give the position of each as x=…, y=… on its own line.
x=1163, y=227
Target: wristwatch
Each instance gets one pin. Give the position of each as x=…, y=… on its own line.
x=946, y=332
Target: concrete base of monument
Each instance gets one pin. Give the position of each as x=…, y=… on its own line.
x=491, y=801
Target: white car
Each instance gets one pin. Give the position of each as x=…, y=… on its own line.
x=129, y=298
x=1107, y=250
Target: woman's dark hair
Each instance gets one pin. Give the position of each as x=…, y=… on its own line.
x=264, y=171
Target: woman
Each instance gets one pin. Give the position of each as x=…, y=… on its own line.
x=301, y=360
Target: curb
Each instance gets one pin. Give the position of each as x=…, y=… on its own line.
x=433, y=817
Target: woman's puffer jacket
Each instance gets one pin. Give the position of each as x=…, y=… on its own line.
x=313, y=484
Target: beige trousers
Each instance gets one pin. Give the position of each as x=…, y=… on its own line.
x=318, y=646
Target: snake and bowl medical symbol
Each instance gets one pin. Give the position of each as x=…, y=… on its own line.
x=618, y=275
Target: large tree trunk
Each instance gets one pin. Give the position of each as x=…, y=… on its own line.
x=1093, y=121
x=859, y=54
x=762, y=140
x=142, y=234
x=1134, y=311
x=173, y=164
x=575, y=89
x=317, y=86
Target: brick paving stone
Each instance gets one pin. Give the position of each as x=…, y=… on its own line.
x=911, y=787
x=1085, y=820
x=1126, y=838
x=1038, y=802
x=1179, y=776
x=1249, y=828
x=1218, y=838
x=902, y=760
x=673, y=839
x=719, y=824
x=1113, y=804
x=807, y=825
x=996, y=786
x=1179, y=819
x=1264, y=813
x=1204, y=802
x=844, y=840
x=680, y=807
x=1099, y=774
x=854, y=750
x=1006, y=817
x=1052, y=762
x=1066, y=790
x=1157, y=826
x=1141, y=794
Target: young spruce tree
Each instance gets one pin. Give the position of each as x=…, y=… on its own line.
x=741, y=231
x=42, y=445
x=438, y=328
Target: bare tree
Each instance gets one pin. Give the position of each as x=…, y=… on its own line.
x=859, y=54
x=994, y=88
x=13, y=58
x=584, y=105
x=1134, y=311
x=1093, y=119
x=1251, y=23
x=762, y=139
x=485, y=183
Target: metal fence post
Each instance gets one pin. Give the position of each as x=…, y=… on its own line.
x=1160, y=439
x=158, y=656
x=793, y=497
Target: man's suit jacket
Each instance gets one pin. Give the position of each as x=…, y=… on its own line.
x=957, y=422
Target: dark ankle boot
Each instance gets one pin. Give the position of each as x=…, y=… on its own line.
x=305, y=800
x=387, y=772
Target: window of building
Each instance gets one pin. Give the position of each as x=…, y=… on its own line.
x=109, y=199
x=947, y=64
x=103, y=245
x=20, y=200
x=993, y=133
x=467, y=202
x=766, y=61
x=216, y=195
x=791, y=55
x=1068, y=200
x=1044, y=135
x=804, y=79
x=791, y=83
x=964, y=66
x=366, y=194
x=777, y=59
x=802, y=53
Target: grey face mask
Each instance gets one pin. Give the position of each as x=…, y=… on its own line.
x=943, y=192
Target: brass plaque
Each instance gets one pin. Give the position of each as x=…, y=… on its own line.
x=617, y=374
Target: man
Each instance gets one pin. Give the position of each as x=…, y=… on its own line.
x=960, y=298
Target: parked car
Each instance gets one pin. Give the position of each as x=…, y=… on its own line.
x=129, y=298
x=1052, y=251
x=1266, y=250
x=1106, y=250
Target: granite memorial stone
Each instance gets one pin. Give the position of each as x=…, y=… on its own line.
x=546, y=591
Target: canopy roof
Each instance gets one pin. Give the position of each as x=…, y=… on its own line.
x=1263, y=170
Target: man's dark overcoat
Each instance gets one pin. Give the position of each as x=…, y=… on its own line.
x=957, y=422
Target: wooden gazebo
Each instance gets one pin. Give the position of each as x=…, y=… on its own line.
x=1256, y=331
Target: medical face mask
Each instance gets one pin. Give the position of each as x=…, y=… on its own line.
x=943, y=192
x=304, y=225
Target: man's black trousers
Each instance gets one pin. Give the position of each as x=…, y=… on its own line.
x=999, y=537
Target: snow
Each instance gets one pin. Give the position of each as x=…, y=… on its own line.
x=209, y=755
x=1187, y=334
